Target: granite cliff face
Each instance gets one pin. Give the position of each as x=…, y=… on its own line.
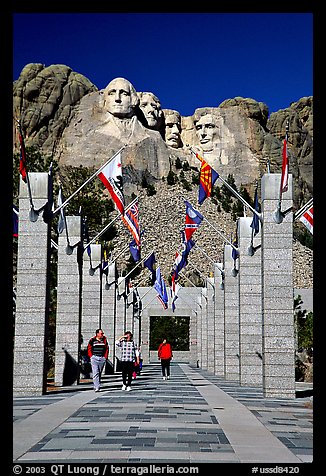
x=64, y=115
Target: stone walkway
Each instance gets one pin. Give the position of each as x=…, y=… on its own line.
x=194, y=417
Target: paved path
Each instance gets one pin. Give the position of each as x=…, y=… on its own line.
x=194, y=417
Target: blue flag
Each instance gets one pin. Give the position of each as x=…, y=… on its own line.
x=134, y=250
x=181, y=259
x=160, y=287
x=149, y=263
x=15, y=220
x=255, y=220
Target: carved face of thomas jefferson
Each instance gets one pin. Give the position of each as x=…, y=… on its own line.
x=121, y=98
x=151, y=107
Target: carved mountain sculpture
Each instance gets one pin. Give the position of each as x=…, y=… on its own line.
x=66, y=116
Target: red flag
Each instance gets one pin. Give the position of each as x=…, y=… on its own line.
x=111, y=176
x=308, y=219
x=22, y=161
x=285, y=167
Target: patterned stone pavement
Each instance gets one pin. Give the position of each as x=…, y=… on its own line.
x=193, y=417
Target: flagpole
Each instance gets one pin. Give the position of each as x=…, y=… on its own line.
x=184, y=276
x=203, y=276
x=303, y=209
x=140, y=262
x=65, y=203
x=235, y=193
x=209, y=258
x=109, y=224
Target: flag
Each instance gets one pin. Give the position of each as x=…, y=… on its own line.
x=49, y=206
x=308, y=219
x=22, y=161
x=105, y=263
x=15, y=214
x=174, y=292
x=193, y=220
x=285, y=166
x=235, y=252
x=61, y=221
x=208, y=177
x=130, y=219
x=149, y=263
x=134, y=250
x=111, y=176
x=255, y=220
x=181, y=259
x=85, y=235
x=160, y=287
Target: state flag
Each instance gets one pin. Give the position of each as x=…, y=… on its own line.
x=160, y=287
x=111, y=176
x=207, y=179
x=285, y=167
x=130, y=219
x=193, y=220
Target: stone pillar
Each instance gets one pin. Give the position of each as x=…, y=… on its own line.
x=29, y=372
x=231, y=315
x=200, y=307
x=68, y=306
x=203, y=338
x=91, y=294
x=219, y=321
x=210, y=324
x=251, y=365
x=277, y=290
x=109, y=309
x=120, y=326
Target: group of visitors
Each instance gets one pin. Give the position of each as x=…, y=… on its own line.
x=129, y=358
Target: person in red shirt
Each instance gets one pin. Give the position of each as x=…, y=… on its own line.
x=165, y=355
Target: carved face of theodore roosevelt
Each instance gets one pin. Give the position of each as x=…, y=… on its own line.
x=121, y=98
x=172, y=128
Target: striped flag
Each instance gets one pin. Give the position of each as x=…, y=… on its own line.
x=285, y=166
x=174, y=292
x=111, y=176
x=22, y=161
x=308, y=219
x=160, y=287
x=130, y=219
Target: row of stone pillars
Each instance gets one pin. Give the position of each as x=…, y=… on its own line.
x=241, y=326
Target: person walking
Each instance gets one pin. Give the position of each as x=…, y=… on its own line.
x=98, y=352
x=165, y=355
x=129, y=355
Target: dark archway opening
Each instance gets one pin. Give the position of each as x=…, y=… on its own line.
x=174, y=329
